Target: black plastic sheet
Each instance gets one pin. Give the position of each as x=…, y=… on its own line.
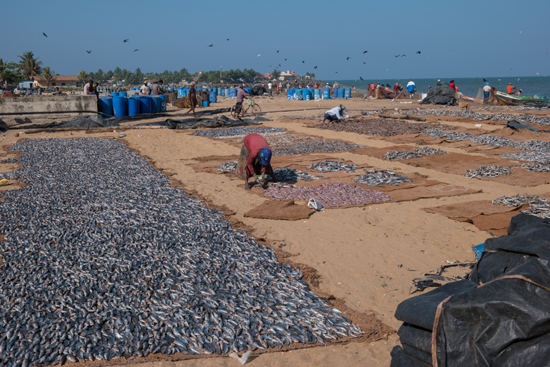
x=401, y=359
x=442, y=94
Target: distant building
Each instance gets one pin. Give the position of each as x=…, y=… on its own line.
x=58, y=81
x=287, y=75
x=268, y=76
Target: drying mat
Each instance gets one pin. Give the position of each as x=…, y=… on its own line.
x=280, y=210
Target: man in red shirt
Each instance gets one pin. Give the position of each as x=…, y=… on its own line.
x=452, y=85
x=255, y=159
x=510, y=89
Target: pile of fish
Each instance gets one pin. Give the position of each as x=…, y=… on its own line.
x=488, y=171
x=417, y=153
x=287, y=174
x=536, y=167
x=239, y=132
x=228, y=166
x=333, y=166
x=539, y=206
x=102, y=259
x=331, y=195
x=532, y=119
x=380, y=126
x=320, y=147
x=492, y=140
x=536, y=156
x=382, y=177
x=290, y=140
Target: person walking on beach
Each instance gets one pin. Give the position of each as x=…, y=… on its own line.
x=192, y=99
x=241, y=96
x=411, y=88
x=255, y=159
x=287, y=87
x=486, y=93
x=335, y=114
x=270, y=89
x=377, y=91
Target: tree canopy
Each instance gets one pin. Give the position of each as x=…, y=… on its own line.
x=29, y=65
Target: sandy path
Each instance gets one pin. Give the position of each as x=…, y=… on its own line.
x=366, y=256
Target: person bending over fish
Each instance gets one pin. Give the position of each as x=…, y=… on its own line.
x=255, y=159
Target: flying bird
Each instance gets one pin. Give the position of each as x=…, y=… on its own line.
x=303, y=62
x=418, y=52
x=336, y=72
x=211, y=45
x=396, y=55
x=260, y=55
x=537, y=73
x=315, y=67
x=45, y=35
x=364, y=52
x=279, y=64
x=228, y=39
x=285, y=59
x=360, y=78
x=364, y=63
x=347, y=58
x=277, y=51
x=403, y=55
x=88, y=51
x=136, y=50
x=126, y=40
x=484, y=80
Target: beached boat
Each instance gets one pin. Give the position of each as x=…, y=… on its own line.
x=511, y=100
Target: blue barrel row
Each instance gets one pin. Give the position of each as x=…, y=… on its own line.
x=120, y=106
x=306, y=94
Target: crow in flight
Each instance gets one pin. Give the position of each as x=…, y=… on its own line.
x=360, y=78
x=126, y=40
x=315, y=67
x=45, y=35
x=364, y=63
x=484, y=80
x=336, y=72
x=279, y=64
x=88, y=51
x=277, y=51
x=403, y=55
x=418, y=52
x=228, y=39
x=136, y=50
x=364, y=52
x=211, y=45
x=347, y=58
x=303, y=62
x=285, y=59
x=396, y=55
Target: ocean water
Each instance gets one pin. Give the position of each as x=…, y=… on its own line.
x=531, y=85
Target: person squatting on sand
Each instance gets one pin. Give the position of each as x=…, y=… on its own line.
x=255, y=159
x=335, y=114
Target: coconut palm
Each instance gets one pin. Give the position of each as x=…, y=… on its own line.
x=29, y=65
x=48, y=75
x=83, y=76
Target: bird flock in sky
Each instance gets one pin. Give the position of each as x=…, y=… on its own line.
x=303, y=61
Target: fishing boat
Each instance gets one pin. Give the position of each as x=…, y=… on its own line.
x=511, y=100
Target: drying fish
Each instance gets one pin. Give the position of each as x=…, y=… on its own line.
x=381, y=178
x=320, y=147
x=417, y=153
x=539, y=206
x=333, y=166
x=238, y=132
x=488, y=171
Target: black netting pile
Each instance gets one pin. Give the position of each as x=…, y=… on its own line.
x=258, y=90
x=440, y=94
x=497, y=317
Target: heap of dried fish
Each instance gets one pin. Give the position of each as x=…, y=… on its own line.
x=333, y=166
x=228, y=167
x=417, y=153
x=382, y=177
x=539, y=206
x=320, y=147
x=488, y=171
x=238, y=132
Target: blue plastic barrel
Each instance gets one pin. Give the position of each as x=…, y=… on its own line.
x=162, y=103
x=335, y=92
x=347, y=93
x=119, y=106
x=326, y=93
x=340, y=92
x=205, y=103
x=114, y=94
x=123, y=94
x=306, y=95
x=155, y=104
x=213, y=98
x=316, y=94
x=233, y=92
x=133, y=106
x=180, y=92
x=106, y=105
x=144, y=104
x=298, y=94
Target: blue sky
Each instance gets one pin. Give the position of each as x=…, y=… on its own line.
x=465, y=38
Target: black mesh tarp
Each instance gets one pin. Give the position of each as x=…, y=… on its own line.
x=440, y=94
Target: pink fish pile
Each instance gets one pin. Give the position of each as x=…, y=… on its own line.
x=331, y=195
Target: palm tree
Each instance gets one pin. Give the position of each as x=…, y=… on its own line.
x=29, y=65
x=83, y=76
x=48, y=75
